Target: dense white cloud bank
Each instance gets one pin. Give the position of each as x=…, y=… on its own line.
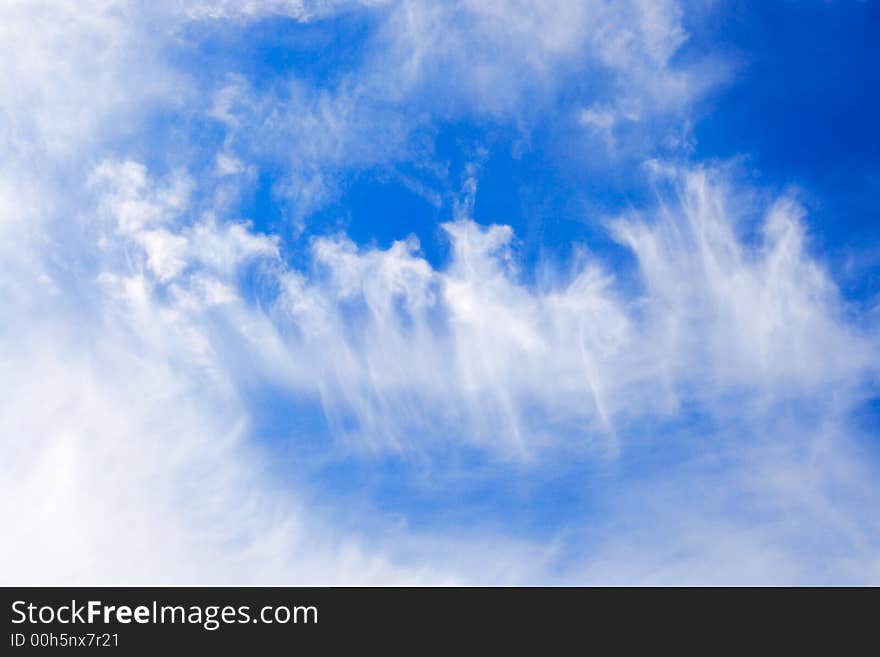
x=139, y=308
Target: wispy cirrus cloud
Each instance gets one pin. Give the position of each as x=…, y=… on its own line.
x=496, y=64
x=714, y=387
x=392, y=346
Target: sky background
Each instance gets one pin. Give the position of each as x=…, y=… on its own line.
x=471, y=292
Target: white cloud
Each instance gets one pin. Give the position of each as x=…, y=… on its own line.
x=130, y=322
x=502, y=57
x=120, y=467
x=406, y=357
x=376, y=330
x=473, y=345
x=68, y=67
x=508, y=63
x=126, y=451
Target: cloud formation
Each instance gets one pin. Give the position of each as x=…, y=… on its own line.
x=392, y=346
x=147, y=315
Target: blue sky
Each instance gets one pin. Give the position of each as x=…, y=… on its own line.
x=469, y=292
